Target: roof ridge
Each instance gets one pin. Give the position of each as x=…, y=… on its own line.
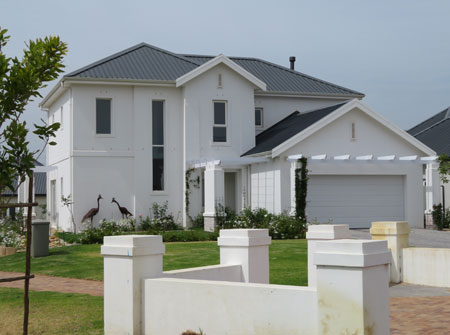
x=446, y=116
x=124, y=52
x=430, y=127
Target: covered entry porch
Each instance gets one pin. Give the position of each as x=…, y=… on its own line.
x=224, y=184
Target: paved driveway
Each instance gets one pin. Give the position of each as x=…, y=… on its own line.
x=417, y=238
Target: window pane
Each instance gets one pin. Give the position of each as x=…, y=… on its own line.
x=258, y=117
x=158, y=122
x=158, y=168
x=219, y=134
x=219, y=113
x=103, y=116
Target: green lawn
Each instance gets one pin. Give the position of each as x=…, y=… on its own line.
x=61, y=313
x=288, y=260
x=51, y=313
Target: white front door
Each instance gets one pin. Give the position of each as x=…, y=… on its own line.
x=355, y=200
x=230, y=190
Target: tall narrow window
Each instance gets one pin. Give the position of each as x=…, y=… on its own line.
x=353, y=131
x=220, y=121
x=62, y=186
x=259, y=117
x=103, y=116
x=62, y=117
x=158, y=145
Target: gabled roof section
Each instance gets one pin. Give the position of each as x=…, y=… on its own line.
x=435, y=132
x=221, y=59
x=288, y=127
x=328, y=115
x=140, y=62
x=280, y=79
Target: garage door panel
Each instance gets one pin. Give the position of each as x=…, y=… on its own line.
x=355, y=200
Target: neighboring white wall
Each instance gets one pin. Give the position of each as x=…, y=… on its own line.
x=426, y=266
x=277, y=108
x=227, y=308
x=232, y=273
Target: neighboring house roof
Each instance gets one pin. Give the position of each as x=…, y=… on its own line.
x=435, y=132
x=287, y=128
x=149, y=63
x=297, y=127
x=40, y=184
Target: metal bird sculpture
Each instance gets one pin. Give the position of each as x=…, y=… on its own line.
x=125, y=212
x=93, y=211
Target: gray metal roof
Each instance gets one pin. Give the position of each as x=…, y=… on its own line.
x=435, y=132
x=287, y=128
x=284, y=80
x=40, y=184
x=146, y=62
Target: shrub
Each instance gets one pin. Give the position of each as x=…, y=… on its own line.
x=68, y=237
x=106, y=228
x=161, y=220
x=438, y=216
x=188, y=236
x=11, y=231
x=198, y=221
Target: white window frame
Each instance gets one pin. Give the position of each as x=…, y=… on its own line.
x=262, y=117
x=164, y=190
x=220, y=125
x=112, y=133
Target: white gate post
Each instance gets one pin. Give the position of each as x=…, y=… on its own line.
x=397, y=236
x=127, y=260
x=322, y=232
x=249, y=248
x=352, y=287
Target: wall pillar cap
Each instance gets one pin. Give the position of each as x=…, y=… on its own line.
x=132, y=245
x=387, y=228
x=351, y=253
x=244, y=237
x=327, y=231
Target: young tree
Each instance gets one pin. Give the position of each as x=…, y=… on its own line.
x=20, y=82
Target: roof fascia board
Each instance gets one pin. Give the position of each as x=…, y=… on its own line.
x=340, y=112
x=221, y=59
x=308, y=95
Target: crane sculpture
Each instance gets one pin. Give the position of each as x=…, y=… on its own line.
x=93, y=211
x=125, y=212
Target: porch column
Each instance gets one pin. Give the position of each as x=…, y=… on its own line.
x=244, y=188
x=214, y=194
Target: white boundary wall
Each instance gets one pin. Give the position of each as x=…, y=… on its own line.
x=426, y=266
x=142, y=299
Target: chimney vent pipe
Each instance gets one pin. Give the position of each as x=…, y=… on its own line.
x=292, y=61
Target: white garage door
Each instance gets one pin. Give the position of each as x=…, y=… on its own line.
x=355, y=200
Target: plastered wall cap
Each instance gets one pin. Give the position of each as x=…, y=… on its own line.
x=328, y=232
x=236, y=241
x=132, y=245
x=390, y=228
x=243, y=232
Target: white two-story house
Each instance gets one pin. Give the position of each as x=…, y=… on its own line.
x=135, y=124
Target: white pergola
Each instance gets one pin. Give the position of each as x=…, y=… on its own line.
x=365, y=158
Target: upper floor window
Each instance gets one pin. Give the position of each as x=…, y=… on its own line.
x=103, y=116
x=220, y=121
x=158, y=145
x=259, y=117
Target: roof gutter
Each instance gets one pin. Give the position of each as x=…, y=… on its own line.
x=309, y=95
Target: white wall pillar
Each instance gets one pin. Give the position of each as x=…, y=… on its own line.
x=352, y=287
x=322, y=233
x=397, y=236
x=214, y=193
x=292, y=184
x=433, y=184
x=127, y=260
x=249, y=248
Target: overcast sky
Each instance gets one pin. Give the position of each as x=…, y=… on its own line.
x=396, y=52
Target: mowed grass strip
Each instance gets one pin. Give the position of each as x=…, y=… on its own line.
x=51, y=313
x=288, y=260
